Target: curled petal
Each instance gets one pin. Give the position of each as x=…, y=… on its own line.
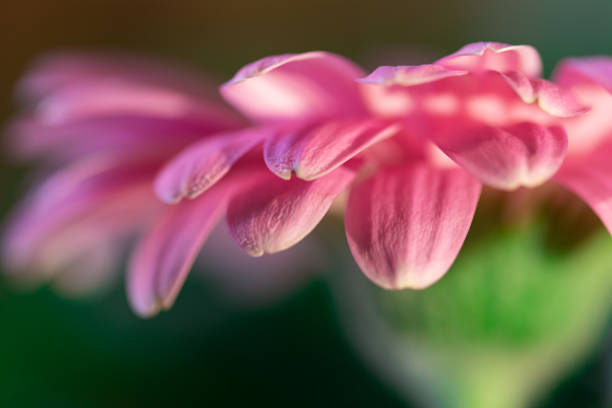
x=314, y=151
x=550, y=97
x=273, y=214
x=313, y=84
x=410, y=75
x=525, y=154
x=406, y=225
x=162, y=259
x=202, y=164
x=492, y=56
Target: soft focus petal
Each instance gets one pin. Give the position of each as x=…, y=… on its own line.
x=590, y=177
x=588, y=80
x=110, y=97
x=314, y=151
x=91, y=198
x=296, y=86
x=550, y=97
x=492, y=56
x=406, y=225
x=597, y=70
x=28, y=137
x=201, y=165
x=160, y=263
x=273, y=214
x=409, y=75
x=58, y=71
x=508, y=157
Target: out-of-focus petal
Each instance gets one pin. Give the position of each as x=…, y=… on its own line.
x=296, y=86
x=550, y=97
x=590, y=177
x=525, y=154
x=110, y=97
x=406, y=225
x=162, y=259
x=409, y=75
x=58, y=71
x=201, y=165
x=28, y=137
x=492, y=56
x=75, y=209
x=273, y=214
x=314, y=151
x=597, y=70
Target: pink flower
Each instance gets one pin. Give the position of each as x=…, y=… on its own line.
x=410, y=145
x=105, y=127
x=410, y=210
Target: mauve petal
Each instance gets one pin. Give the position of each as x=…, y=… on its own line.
x=492, y=56
x=309, y=85
x=406, y=225
x=82, y=193
x=61, y=70
x=597, y=70
x=273, y=214
x=112, y=97
x=314, y=151
x=590, y=85
x=409, y=75
x=525, y=154
x=202, y=164
x=162, y=259
x=28, y=137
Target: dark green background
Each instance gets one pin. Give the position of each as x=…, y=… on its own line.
x=207, y=351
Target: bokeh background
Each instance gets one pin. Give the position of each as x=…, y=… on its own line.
x=209, y=349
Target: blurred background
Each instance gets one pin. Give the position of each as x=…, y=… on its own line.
x=211, y=349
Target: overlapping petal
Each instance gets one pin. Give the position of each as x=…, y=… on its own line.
x=524, y=154
x=494, y=56
x=272, y=214
x=202, y=164
x=160, y=263
x=296, y=86
x=590, y=177
x=312, y=151
x=405, y=225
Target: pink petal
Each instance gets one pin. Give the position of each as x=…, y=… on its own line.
x=525, y=154
x=597, y=70
x=410, y=75
x=591, y=178
x=492, y=56
x=550, y=98
x=29, y=137
x=202, y=164
x=314, y=151
x=58, y=71
x=160, y=263
x=273, y=214
x=309, y=85
x=113, y=97
x=406, y=225
x=78, y=198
